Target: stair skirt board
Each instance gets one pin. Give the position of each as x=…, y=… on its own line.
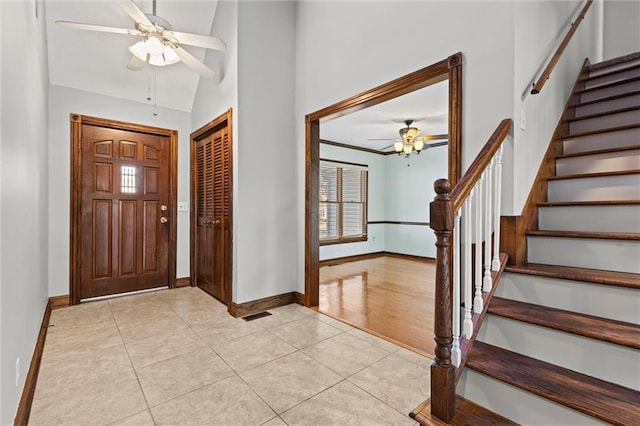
x=601, y=218
x=599, y=163
x=617, y=67
x=516, y=404
x=608, y=121
x=595, y=81
x=608, y=91
x=615, y=139
x=602, y=360
x=605, y=254
x=608, y=105
x=604, y=301
x=597, y=188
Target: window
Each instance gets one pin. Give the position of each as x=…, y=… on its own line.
x=128, y=180
x=343, y=202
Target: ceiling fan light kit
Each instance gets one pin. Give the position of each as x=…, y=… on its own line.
x=410, y=142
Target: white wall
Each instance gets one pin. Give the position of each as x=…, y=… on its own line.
x=344, y=48
x=265, y=237
x=64, y=101
x=23, y=193
x=408, y=194
x=376, y=174
x=539, y=28
x=621, y=27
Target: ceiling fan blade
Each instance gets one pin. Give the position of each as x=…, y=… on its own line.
x=194, y=64
x=379, y=139
x=434, y=137
x=134, y=11
x=91, y=27
x=385, y=148
x=135, y=64
x=433, y=145
x=199, y=40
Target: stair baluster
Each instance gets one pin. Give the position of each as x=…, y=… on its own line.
x=456, y=356
x=468, y=282
x=486, y=280
x=495, y=263
x=477, y=300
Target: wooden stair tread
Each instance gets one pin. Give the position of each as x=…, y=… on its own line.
x=603, y=114
x=607, y=85
x=632, y=66
x=467, y=413
x=614, y=61
x=608, y=98
x=599, y=151
x=589, y=203
x=599, y=174
x=604, y=329
x=597, y=276
x=600, y=131
x=580, y=234
x=597, y=398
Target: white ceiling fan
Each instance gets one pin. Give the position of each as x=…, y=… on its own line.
x=410, y=141
x=160, y=44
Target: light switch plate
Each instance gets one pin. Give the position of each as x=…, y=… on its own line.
x=182, y=206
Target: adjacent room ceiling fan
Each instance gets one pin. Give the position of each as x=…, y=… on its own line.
x=160, y=44
x=410, y=141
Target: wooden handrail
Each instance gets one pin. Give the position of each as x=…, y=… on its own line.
x=442, y=211
x=537, y=86
x=471, y=176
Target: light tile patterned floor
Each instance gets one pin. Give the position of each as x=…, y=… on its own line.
x=176, y=357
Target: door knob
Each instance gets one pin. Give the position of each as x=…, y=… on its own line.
x=164, y=220
x=163, y=208
x=216, y=222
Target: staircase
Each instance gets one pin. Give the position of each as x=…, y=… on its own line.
x=560, y=343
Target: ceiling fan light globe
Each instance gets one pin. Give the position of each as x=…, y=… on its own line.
x=407, y=149
x=398, y=145
x=154, y=45
x=139, y=50
x=157, y=60
x=170, y=56
x=418, y=145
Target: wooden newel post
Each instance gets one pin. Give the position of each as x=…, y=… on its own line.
x=442, y=371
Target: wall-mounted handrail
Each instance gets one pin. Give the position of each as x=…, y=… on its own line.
x=537, y=86
x=474, y=203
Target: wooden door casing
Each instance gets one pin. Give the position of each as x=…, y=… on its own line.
x=122, y=175
x=211, y=207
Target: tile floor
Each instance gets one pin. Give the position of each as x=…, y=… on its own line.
x=176, y=357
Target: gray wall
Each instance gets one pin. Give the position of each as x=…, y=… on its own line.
x=621, y=27
x=24, y=203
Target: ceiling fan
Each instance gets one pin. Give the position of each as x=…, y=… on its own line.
x=160, y=44
x=410, y=141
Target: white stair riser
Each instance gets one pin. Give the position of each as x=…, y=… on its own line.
x=517, y=405
x=605, y=122
x=608, y=105
x=577, y=353
x=617, y=139
x=594, y=253
x=599, y=188
x=610, y=218
x=595, y=81
x=605, y=301
x=597, y=163
x=608, y=91
x=620, y=66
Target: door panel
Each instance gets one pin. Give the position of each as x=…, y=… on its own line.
x=212, y=189
x=124, y=182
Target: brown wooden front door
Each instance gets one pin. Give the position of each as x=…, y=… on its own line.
x=126, y=211
x=211, y=244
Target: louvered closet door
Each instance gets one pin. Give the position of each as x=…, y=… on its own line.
x=213, y=163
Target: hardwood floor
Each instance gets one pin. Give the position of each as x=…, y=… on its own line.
x=387, y=296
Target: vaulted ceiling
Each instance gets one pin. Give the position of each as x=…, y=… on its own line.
x=97, y=62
